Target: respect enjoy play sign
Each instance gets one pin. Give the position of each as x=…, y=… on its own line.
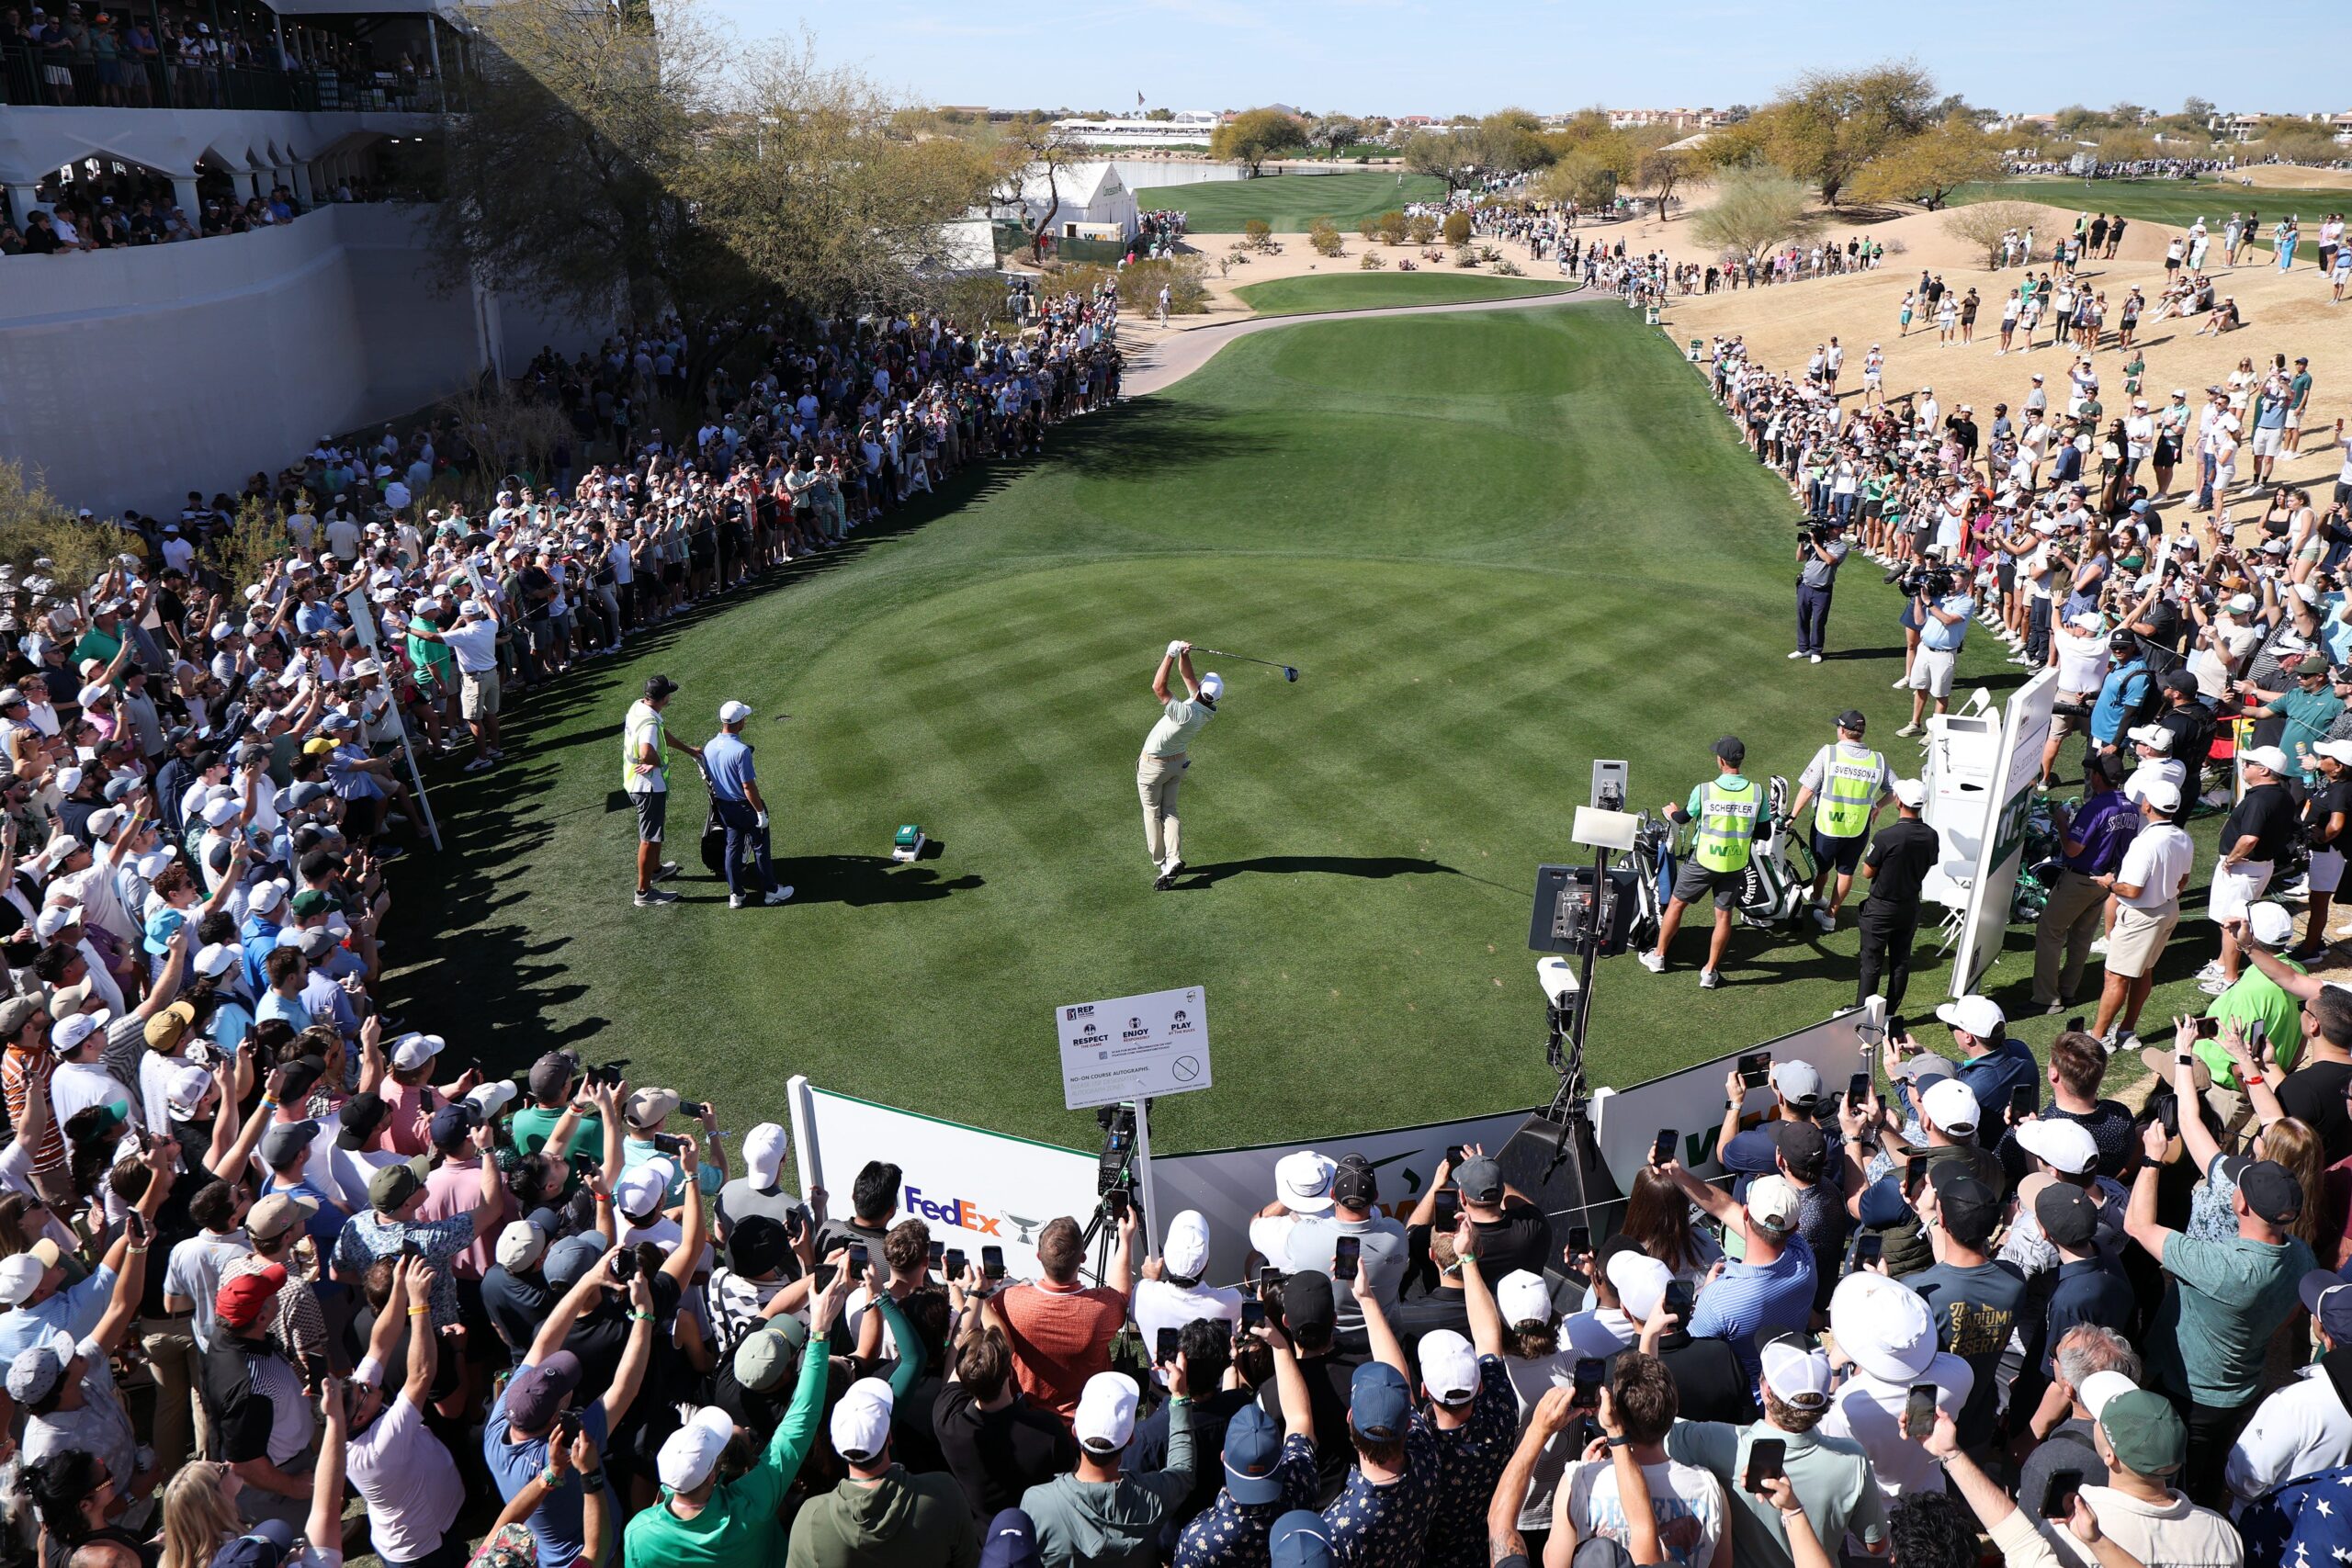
x=1133, y=1047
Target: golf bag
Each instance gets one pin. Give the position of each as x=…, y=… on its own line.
x=1654, y=864
x=1781, y=869
x=714, y=843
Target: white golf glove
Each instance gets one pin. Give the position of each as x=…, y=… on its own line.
x=1174, y=649
x=761, y=820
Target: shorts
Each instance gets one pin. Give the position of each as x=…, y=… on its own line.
x=2062, y=722
x=478, y=696
x=2235, y=887
x=2138, y=939
x=652, y=811
x=2268, y=439
x=1932, y=672
x=1841, y=856
x=1694, y=881
x=2294, y=419
x=2328, y=871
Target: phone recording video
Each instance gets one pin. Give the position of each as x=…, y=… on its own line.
x=857, y=1259
x=1579, y=1240
x=2059, y=1492
x=1662, y=1150
x=1164, y=1343
x=1857, y=1091
x=1766, y=1460
x=1868, y=1247
x=953, y=1263
x=1919, y=1411
x=1756, y=1069
x=1343, y=1258
x=993, y=1262
x=1591, y=1373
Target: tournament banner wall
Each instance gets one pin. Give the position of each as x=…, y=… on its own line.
x=1626, y=1122
x=973, y=1188
x=2024, y=728
x=1230, y=1185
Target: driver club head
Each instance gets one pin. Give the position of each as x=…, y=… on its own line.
x=1290, y=673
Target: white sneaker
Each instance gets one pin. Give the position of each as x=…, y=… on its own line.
x=1653, y=963
x=1798, y=654
x=1815, y=657
x=778, y=895
x=1709, y=980
x=2214, y=987
x=1908, y=730
x=1900, y=683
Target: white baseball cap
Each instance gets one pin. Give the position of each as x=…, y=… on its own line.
x=520, y=1245
x=2100, y=1387
x=72, y=1033
x=1640, y=1281
x=2269, y=757
x=1980, y=1016
x=1186, y=1250
x=2162, y=793
x=1883, y=1327
x=1449, y=1368
x=764, y=1148
x=1796, y=1371
x=689, y=1454
x=734, y=712
x=2270, y=923
x=263, y=897
x=492, y=1098
x=641, y=1188
x=1303, y=1181
x=1796, y=1082
x=2156, y=737
x=1106, y=1412
x=1213, y=686
x=414, y=1050
x=1951, y=1105
x=1522, y=1297
x=2059, y=1142
x=1912, y=793
x=1773, y=1204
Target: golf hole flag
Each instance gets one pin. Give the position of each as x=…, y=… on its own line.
x=1132, y=1047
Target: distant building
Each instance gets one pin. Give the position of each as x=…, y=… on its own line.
x=1189, y=128
x=1679, y=120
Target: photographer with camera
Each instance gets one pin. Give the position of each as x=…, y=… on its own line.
x=1821, y=549
x=1943, y=605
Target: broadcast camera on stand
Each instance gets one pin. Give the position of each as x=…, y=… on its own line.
x=1114, y=1182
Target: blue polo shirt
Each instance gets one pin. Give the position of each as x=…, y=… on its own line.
x=1749, y=1299
x=2126, y=686
x=728, y=759
x=1998, y=1074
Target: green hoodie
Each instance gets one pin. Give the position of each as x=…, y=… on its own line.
x=900, y=1521
x=1112, y=1524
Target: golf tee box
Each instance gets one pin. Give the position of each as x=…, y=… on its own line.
x=906, y=843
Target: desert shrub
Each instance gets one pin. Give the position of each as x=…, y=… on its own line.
x=1421, y=227
x=1370, y=262
x=1257, y=233
x=1457, y=228
x=1466, y=256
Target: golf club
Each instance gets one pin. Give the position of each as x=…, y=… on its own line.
x=1290, y=673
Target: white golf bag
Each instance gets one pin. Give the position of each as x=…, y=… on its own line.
x=1781, y=868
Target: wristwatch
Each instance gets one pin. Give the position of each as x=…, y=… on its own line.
x=1620, y=1440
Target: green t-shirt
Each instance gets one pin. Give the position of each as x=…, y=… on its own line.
x=2224, y=1301
x=2255, y=995
x=534, y=1122
x=1830, y=1476
x=97, y=644
x=737, y=1525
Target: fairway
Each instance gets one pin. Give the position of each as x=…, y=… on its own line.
x=1388, y=291
x=1289, y=202
x=1496, y=544
x=2176, y=203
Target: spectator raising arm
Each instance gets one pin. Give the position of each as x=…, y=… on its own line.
x=2021, y=1545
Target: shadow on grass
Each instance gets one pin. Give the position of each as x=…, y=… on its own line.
x=1138, y=440
x=860, y=880
x=1373, y=867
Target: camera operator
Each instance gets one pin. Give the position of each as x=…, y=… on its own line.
x=1943, y=606
x=1821, y=550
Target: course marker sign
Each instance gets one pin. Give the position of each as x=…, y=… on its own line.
x=1133, y=1047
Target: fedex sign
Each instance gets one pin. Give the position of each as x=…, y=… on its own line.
x=961, y=1213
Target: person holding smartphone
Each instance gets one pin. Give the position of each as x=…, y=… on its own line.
x=1887, y=1335
x=1171, y=1293
x=1836, y=1489
x=1771, y=1284
x=1315, y=1241
x=1059, y=1329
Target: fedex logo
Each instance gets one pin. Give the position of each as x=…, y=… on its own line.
x=957, y=1211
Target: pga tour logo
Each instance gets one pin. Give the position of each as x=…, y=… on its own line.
x=1071, y=1014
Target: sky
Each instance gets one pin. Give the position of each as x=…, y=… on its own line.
x=1441, y=57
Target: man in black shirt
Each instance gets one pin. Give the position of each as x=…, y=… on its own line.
x=1897, y=863
x=2258, y=833
x=1310, y=1318
x=1512, y=1231
x=2314, y=1093
x=2326, y=814
x=995, y=1443
x=2192, y=727
x=1707, y=1376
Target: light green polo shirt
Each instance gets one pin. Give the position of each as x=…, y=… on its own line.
x=1830, y=1476
x=1179, y=722
x=2255, y=995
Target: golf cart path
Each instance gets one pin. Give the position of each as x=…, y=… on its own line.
x=1154, y=366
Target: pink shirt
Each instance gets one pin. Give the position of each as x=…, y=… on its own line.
x=455, y=1189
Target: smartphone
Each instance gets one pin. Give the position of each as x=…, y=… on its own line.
x=136, y=1223
x=667, y=1142
x=567, y=1427
x=693, y=1108
x=1343, y=1258
x=954, y=1264
x=1254, y=1314
x=2074, y=1024
x=1857, y=1091
x=1766, y=1460
x=2208, y=1028
x=1579, y=1240
x=1895, y=1028
x=2257, y=1031
x=2058, y=1495
x=2024, y=1100
x=1919, y=1411
x=409, y=1248
x=938, y=1253
x=2168, y=1114
x=1453, y=1154
x=993, y=1262
x=1591, y=1370
x=315, y=1371
x=1756, y=1069
x=1270, y=1282
x=625, y=1264
x=857, y=1259
x=1663, y=1149
x=1114, y=1203
x=1868, y=1247
x=1164, y=1346
x=1679, y=1299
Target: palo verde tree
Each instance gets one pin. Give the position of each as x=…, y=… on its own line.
x=1253, y=136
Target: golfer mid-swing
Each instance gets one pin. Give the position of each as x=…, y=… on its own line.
x=1162, y=767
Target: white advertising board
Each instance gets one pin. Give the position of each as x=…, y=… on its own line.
x=1626, y=1122
x=2025, y=727
x=1130, y=1047
x=973, y=1188
x=1228, y=1186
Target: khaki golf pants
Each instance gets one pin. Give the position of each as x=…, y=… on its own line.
x=2062, y=937
x=1157, y=779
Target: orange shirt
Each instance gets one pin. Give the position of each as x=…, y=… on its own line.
x=15, y=1077
x=1061, y=1336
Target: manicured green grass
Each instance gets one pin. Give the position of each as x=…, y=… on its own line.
x=1289, y=202
x=1498, y=545
x=2174, y=203
x=1386, y=290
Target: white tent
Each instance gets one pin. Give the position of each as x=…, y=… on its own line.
x=1090, y=195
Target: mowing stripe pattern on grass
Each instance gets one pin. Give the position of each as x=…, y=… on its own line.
x=1288, y=203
